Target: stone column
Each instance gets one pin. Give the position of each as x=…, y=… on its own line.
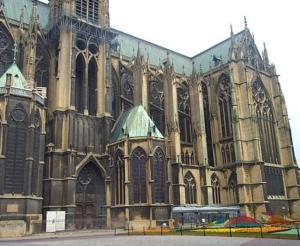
x=63, y=88
x=73, y=72
x=101, y=82
x=173, y=134
x=127, y=181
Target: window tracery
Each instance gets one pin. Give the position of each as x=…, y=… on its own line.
x=119, y=178
x=233, y=189
x=80, y=77
x=266, y=123
x=216, y=192
x=6, y=50
x=41, y=66
x=225, y=106
x=115, y=95
x=184, y=112
x=138, y=175
x=158, y=176
x=16, y=150
x=156, y=101
x=187, y=158
x=207, y=124
x=190, y=189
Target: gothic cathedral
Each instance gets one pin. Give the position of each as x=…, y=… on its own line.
x=115, y=130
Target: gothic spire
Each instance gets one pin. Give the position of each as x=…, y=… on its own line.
x=232, y=35
x=245, y=22
x=231, y=31
x=232, y=50
x=265, y=57
x=1, y=5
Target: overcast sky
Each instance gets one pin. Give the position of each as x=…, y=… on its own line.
x=191, y=26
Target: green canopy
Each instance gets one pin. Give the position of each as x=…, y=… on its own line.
x=135, y=123
x=18, y=80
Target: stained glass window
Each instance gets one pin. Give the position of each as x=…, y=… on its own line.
x=266, y=123
x=190, y=188
x=138, y=175
x=184, y=113
x=6, y=50
x=16, y=150
x=158, y=176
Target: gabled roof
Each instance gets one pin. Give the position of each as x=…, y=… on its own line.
x=129, y=44
x=156, y=54
x=220, y=50
x=135, y=123
x=18, y=80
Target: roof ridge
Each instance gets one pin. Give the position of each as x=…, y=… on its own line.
x=216, y=45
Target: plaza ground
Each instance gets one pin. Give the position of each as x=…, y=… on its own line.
x=109, y=239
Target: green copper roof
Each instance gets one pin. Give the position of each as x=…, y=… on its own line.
x=18, y=80
x=136, y=123
x=155, y=53
x=13, y=10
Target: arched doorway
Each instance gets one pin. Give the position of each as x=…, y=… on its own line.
x=90, y=198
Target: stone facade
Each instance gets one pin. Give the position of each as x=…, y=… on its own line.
x=226, y=137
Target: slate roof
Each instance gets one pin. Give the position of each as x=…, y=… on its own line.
x=156, y=54
x=129, y=44
x=136, y=123
x=13, y=10
x=220, y=50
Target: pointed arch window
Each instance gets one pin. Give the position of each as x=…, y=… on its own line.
x=158, y=176
x=207, y=125
x=187, y=158
x=223, y=155
x=190, y=189
x=184, y=112
x=225, y=105
x=138, y=175
x=6, y=49
x=266, y=123
x=233, y=189
x=115, y=95
x=16, y=150
x=92, y=86
x=228, y=157
x=119, y=176
x=216, y=192
x=192, y=158
x=80, y=76
x=127, y=85
x=156, y=102
x=232, y=153
x=41, y=65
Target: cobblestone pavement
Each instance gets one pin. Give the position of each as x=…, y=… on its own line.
x=111, y=240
